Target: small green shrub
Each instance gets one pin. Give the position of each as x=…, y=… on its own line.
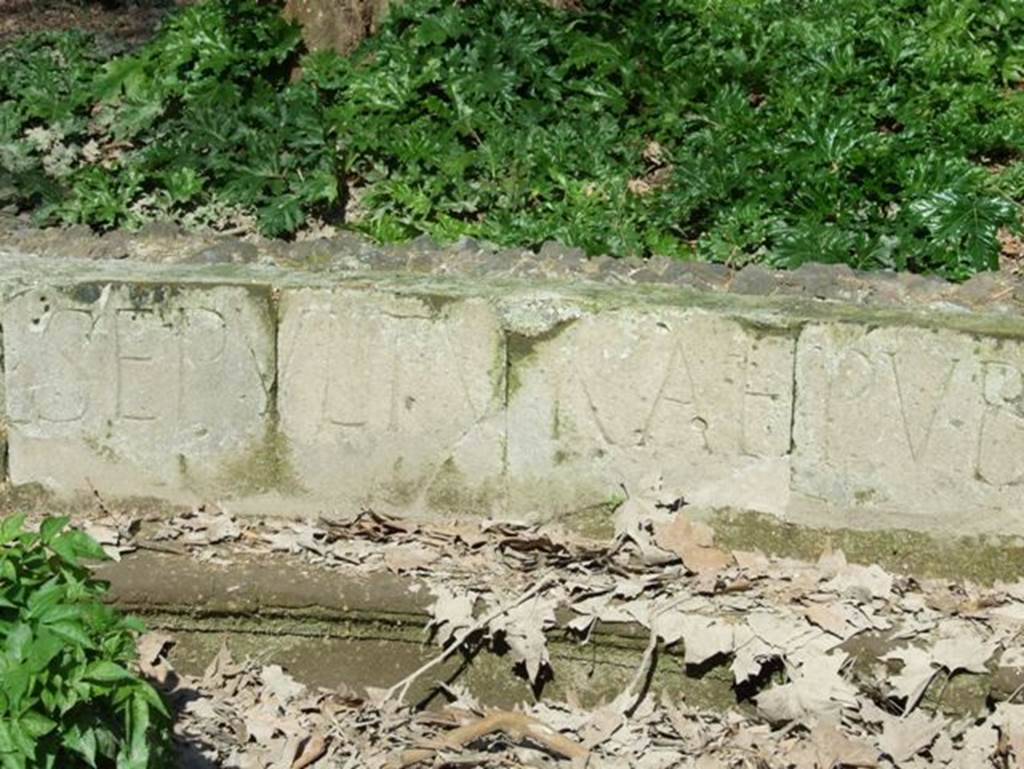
x=886, y=135
x=67, y=696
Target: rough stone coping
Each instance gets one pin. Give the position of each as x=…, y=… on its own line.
x=360, y=629
x=349, y=252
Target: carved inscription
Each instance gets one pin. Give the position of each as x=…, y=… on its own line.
x=1000, y=453
x=370, y=374
x=616, y=398
x=910, y=419
x=63, y=395
x=694, y=385
x=914, y=393
x=388, y=394
x=161, y=363
x=137, y=377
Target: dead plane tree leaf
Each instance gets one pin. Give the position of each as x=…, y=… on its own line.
x=904, y=737
x=828, y=747
x=400, y=689
x=694, y=543
x=815, y=687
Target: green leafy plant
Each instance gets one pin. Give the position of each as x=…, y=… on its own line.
x=884, y=135
x=67, y=695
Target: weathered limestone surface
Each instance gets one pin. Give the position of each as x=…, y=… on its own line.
x=392, y=402
x=615, y=399
x=920, y=425
x=135, y=391
x=269, y=387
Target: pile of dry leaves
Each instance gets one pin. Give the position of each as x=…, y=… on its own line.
x=807, y=694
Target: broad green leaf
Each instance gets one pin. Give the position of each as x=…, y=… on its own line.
x=74, y=632
x=51, y=527
x=10, y=526
x=36, y=725
x=73, y=545
x=105, y=671
x=81, y=741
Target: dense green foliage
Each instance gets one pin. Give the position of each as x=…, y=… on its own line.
x=67, y=697
x=880, y=134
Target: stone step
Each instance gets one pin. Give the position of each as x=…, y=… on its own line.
x=334, y=628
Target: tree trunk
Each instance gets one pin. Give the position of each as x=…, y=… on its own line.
x=342, y=24
x=336, y=24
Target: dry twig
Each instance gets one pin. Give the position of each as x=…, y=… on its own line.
x=402, y=687
x=314, y=750
x=517, y=726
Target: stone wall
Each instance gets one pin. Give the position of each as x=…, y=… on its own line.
x=325, y=376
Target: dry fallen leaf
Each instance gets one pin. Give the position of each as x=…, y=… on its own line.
x=409, y=556
x=862, y=582
x=964, y=650
x=814, y=688
x=704, y=638
x=913, y=679
x=1010, y=721
x=451, y=613
x=906, y=736
x=827, y=747
x=151, y=662
x=829, y=619
x=752, y=561
x=107, y=536
x=280, y=684
x=694, y=543
x=523, y=627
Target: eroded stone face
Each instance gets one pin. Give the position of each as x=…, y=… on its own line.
x=618, y=398
x=135, y=390
x=393, y=402
x=895, y=423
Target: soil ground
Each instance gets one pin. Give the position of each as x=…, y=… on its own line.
x=124, y=26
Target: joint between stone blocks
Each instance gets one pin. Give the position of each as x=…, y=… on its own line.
x=294, y=395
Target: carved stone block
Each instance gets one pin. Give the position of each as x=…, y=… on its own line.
x=898, y=423
x=611, y=401
x=149, y=391
x=394, y=402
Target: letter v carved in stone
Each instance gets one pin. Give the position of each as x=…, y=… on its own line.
x=918, y=414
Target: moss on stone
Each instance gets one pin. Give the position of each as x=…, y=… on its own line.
x=400, y=491
x=86, y=293
x=522, y=348
x=151, y=294
x=963, y=558
x=314, y=261
x=101, y=449
x=36, y=498
x=264, y=467
x=379, y=650
x=450, y=492
x=438, y=302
